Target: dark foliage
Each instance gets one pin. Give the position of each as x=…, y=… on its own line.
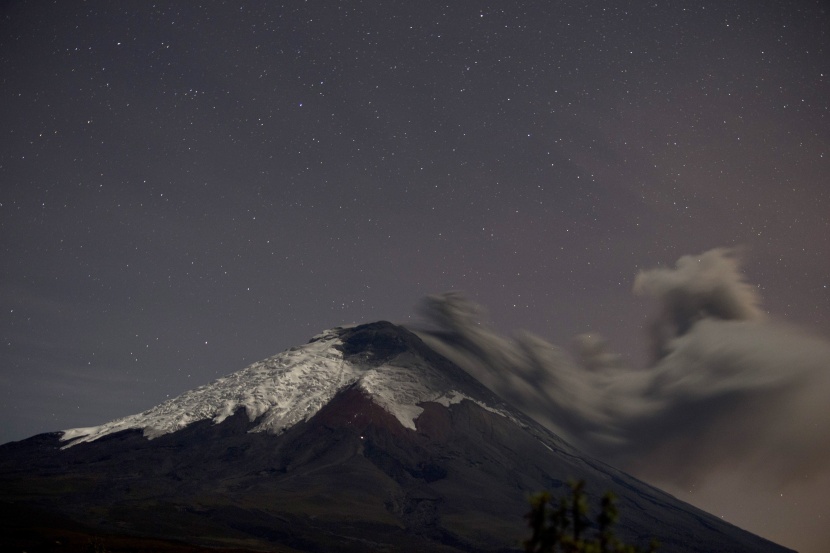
x=563, y=526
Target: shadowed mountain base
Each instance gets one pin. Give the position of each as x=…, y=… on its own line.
x=349, y=479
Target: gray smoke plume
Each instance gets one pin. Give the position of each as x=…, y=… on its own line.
x=706, y=286
x=729, y=390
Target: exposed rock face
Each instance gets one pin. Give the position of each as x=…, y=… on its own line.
x=349, y=477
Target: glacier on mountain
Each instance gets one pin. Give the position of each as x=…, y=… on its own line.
x=291, y=387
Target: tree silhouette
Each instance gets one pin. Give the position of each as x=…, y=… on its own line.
x=561, y=526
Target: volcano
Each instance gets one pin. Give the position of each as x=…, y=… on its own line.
x=364, y=439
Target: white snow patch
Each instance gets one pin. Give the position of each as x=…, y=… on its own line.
x=288, y=388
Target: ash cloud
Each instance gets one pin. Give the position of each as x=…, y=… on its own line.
x=729, y=389
x=706, y=286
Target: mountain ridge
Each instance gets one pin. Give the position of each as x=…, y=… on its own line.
x=351, y=476
x=293, y=385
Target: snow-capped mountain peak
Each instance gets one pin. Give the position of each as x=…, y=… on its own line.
x=294, y=385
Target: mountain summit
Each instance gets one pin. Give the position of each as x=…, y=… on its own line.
x=364, y=439
x=385, y=362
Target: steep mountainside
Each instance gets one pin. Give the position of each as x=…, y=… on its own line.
x=362, y=440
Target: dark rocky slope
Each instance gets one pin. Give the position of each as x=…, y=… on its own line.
x=350, y=478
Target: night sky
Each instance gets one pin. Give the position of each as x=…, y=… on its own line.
x=186, y=189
